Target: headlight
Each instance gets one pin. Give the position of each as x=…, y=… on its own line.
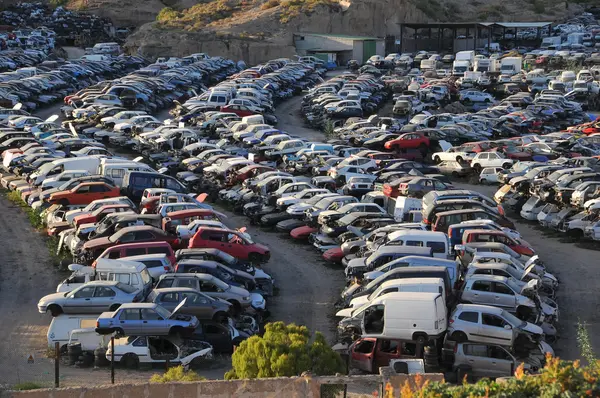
x=246, y=298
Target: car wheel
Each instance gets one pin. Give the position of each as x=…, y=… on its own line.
x=459, y=337
x=64, y=202
x=236, y=308
x=175, y=330
x=119, y=332
x=130, y=361
x=437, y=159
x=455, y=174
x=55, y=310
x=255, y=258
x=461, y=374
x=459, y=159
x=506, y=165
x=114, y=307
x=220, y=317
x=477, y=168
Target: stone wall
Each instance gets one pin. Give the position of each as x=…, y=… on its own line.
x=292, y=387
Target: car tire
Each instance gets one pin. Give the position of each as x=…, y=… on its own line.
x=55, y=310
x=459, y=159
x=64, y=202
x=220, y=317
x=175, y=331
x=255, y=258
x=461, y=373
x=114, y=307
x=477, y=168
x=507, y=166
x=119, y=332
x=436, y=159
x=236, y=308
x=130, y=361
x=459, y=337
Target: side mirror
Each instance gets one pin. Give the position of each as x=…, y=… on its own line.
x=507, y=327
x=459, y=247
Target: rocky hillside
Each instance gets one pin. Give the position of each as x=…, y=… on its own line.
x=255, y=30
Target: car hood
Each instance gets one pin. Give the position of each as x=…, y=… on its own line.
x=298, y=207
x=359, y=301
x=345, y=313
x=99, y=242
x=532, y=328
x=357, y=263
x=516, y=180
x=369, y=276
x=178, y=307
x=529, y=286
x=52, y=297
x=238, y=291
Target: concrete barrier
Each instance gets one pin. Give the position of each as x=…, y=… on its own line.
x=289, y=387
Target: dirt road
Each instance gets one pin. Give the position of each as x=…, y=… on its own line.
x=575, y=264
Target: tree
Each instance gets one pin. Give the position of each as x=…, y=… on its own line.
x=284, y=350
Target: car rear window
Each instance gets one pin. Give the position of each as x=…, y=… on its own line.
x=153, y=263
x=165, y=283
x=438, y=247
x=135, y=252
x=159, y=250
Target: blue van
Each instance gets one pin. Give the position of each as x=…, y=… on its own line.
x=135, y=182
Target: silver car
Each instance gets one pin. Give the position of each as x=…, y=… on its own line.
x=92, y=298
x=487, y=324
x=146, y=319
x=198, y=304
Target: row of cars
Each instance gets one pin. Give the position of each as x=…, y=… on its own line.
x=123, y=249
x=50, y=81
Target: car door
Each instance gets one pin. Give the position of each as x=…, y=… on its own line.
x=362, y=353
x=476, y=356
x=196, y=305
x=81, y=301
x=104, y=298
x=481, y=293
x=130, y=321
x=495, y=330
x=153, y=323
x=503, y=296
x=168, y=300
x=500, y=362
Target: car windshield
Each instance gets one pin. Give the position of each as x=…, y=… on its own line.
x=513, y=320
x=227, y=258
x=519, y=167
x=126, y=288
x=324, y=203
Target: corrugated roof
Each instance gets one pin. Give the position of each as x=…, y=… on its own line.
x=520, y=24
x=339, y=36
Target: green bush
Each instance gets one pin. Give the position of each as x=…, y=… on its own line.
x=27, y=385
x=557, y=379
x=290, y=9
x=269, y=4
x=167, y=14
x=176, y=373
x=284, y=350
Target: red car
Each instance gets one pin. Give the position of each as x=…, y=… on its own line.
x=136, y=234
x=100, y=213
x=239, y=110
x=236, y=243
x=409, y=141
x=488, y=235
x=139, y=249
x=84, y=193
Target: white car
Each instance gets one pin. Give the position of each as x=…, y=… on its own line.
x=126, y=126
x=476, y=96
x=61, y=178
x=133, y=350
x=92, y=150
x=490, y=159
x=489, y=175
x=453, y=154
x=299, y=197
x=188, y=231
x=20, y=122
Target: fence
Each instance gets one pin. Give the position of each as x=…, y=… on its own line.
x=292, y=387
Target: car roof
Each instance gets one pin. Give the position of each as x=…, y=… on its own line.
x=479, y=307
x=137, y=305
x=174, y=289
x=156, y=256
x=491, y=278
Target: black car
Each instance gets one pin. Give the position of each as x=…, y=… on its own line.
x=221, y=336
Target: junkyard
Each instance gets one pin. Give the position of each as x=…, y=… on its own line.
x=436, y=212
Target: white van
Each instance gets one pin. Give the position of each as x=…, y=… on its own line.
x=116, y=171
x=436, y=240
x=427, y=285
x=128, y=272
x=89, y=339
x=404, y=315
x=87, y=163
x=62, y=325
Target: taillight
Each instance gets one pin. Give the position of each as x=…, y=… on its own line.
x=97, y=324
x=176, y=267
x=451, y=321
x=167, y=268
x=501, y=209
